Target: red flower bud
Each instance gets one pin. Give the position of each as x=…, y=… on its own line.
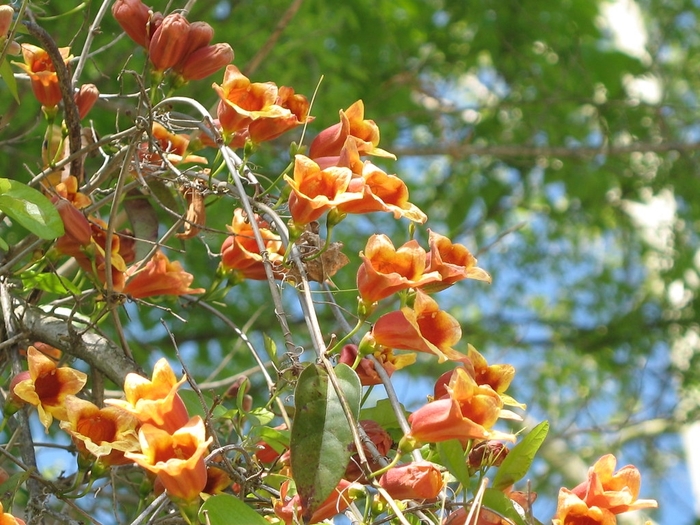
x=85, y=98
x=200, y=36
x=170, y=41
x=6, y=14
x=487, y=454
x=206, y=61
x=134, y=17
x=13, y=402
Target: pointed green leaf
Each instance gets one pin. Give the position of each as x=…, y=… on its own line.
x=48, y=282
x=224, y=509
x=452, y=456
x=519, y=459
x=495, y=500
x=321, y=435
x=30, y=208
x=9, y=78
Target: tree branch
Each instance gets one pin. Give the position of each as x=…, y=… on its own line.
x=459, y=151
x=92, y=348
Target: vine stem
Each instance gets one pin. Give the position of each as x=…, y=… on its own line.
x=70, y=109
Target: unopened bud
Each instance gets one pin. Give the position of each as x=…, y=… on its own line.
x=487, y=454
x=133, y=16
x=169, y=42
x=85, y=98
x=13, y=402
x=206, y=61
x=6, y=14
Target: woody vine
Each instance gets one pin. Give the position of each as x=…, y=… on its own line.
x=96, y=237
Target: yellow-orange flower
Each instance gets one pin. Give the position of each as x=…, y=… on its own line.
x=365, y=134
x=296, y=113
x=155, y=401
x=9, y=519
x=469, y=411
x=453, y=262
x=291, y=510
x=177, y=458
x=380, y=191
x=386, y=270
x=159, y=276
x=42, y=73
x=240, y=251
x=105, y=433
x=315, y=191
x=498, y=377
x=241, y=101
x=423, y=328
x=603, y=495
x=365, y=368
x=174, y=146
x=48, y=386
x=91, y=256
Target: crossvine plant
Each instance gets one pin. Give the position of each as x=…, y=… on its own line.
x=84, y=238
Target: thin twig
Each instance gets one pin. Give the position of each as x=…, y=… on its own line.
x=88, y=40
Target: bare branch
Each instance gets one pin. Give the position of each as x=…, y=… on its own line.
x=459, y=151
x=88, y=346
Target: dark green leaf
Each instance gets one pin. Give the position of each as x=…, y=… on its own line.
x=321, y=435
x=519, y=459
x=224, y=509
x=452, y=456
x=30, y=208
x=9, y=78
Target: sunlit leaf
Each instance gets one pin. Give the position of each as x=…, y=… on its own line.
x=321, y=434
x=48, y=282
x=518, y=461
x=224, y=509
x=30, y=208
x=452, y=456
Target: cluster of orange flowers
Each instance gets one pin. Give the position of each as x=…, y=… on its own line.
x=172, y=42
x=150, y=427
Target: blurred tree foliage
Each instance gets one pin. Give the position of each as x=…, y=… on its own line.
x=526, y=130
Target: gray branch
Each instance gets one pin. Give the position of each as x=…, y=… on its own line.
x=59, y=332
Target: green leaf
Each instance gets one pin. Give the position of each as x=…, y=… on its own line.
x=495, y=500
x=9, y=78
x=452, y=456
x=321, y=435
x=30, y=208
x=519, y=459
x=3, y=244
x=194, y=405
x=48, y=282
x=224, y=509
x=277, y=439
